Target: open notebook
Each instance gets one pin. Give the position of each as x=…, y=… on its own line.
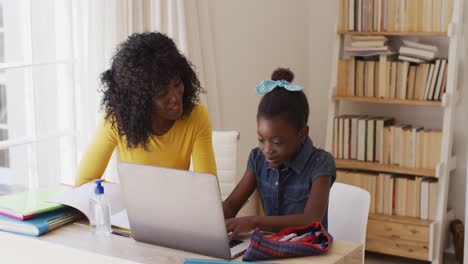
x=79, y=198
x=29, y=204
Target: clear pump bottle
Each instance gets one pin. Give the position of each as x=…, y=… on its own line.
x=99, y=211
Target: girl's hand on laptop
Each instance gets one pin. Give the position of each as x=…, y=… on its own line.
x=234, y=226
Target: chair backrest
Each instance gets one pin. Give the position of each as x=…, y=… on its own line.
x=225, y=150
x=348, y=210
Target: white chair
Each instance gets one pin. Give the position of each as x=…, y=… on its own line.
x=225, y=145
x=225, y=150
x=348, y=210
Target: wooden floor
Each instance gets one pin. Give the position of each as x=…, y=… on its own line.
x=375, y=258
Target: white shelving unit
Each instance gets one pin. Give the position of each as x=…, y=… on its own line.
x=404, y=229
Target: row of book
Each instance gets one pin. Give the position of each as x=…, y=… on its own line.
x=392, y=79
x=393, y=194
x=379, y=139
x=395, y=15
x=30, y=213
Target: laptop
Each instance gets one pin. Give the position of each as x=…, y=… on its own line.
x=177, y=209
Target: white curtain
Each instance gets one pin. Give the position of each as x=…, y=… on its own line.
x=101, y=25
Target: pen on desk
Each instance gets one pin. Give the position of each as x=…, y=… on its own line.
x=120, y=233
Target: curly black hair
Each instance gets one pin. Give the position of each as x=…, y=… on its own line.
x=293, y=105
x=143, y=65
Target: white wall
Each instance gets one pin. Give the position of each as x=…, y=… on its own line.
x=321, y=19
x=251, y=38
x=458, y=187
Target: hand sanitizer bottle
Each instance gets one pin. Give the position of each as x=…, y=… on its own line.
x=99, y=211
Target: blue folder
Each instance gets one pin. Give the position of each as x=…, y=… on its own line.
x=40, y=224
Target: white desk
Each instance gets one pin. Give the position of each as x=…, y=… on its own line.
x=74, y=243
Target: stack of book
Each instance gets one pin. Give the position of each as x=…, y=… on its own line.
x=367, y=46
x=417, y=52
x=30, y=213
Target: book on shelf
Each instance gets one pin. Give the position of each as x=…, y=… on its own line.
x=350, y=74
x=428, y=199
x=435, y=142
x=409, y=203
x=366, y=49
x=402, y=80
x=414, y=192
x=342, y=83
x=380, y=124
x=417, y=53
x=361, y=138
x=370, y=138
x=369, y=78
x=422, y=73
x=428, y=81
x=392, y=85
x=353, y=137
x=405, y=146
x=410, y=59
x=40, y=224
x=434, y=76
x=441, y=78
x=416, y=147
x=340, y=137
x=389, y=192
x=346, y=137
x=420, y=46
x=382, y=76
x=401, y=192
x=433, y=192
x=424, y=204
x=380, y=194
x=444, y=83
x=368, y=44
x=336, y=144
x=360, y=70
x=29, y=204
x=411, y=82
x=381, y=39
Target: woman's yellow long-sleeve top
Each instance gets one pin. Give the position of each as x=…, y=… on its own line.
x=189, y=137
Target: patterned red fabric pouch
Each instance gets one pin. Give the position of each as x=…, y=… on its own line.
x=309, y=240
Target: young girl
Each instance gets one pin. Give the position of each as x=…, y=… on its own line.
x=292, y=176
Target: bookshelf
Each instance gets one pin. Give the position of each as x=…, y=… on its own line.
x=377, y=167
x=365, y=33
x=387, y=101
x=392, y=233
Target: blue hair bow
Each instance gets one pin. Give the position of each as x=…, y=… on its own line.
x=269, y=85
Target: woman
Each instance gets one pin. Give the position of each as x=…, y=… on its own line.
x=152, y=115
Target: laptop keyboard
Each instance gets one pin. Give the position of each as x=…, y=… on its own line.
x=234, y=243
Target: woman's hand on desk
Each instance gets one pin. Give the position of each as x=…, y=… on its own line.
x=234, y=226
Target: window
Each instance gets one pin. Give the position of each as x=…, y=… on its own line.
x=37, y=92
